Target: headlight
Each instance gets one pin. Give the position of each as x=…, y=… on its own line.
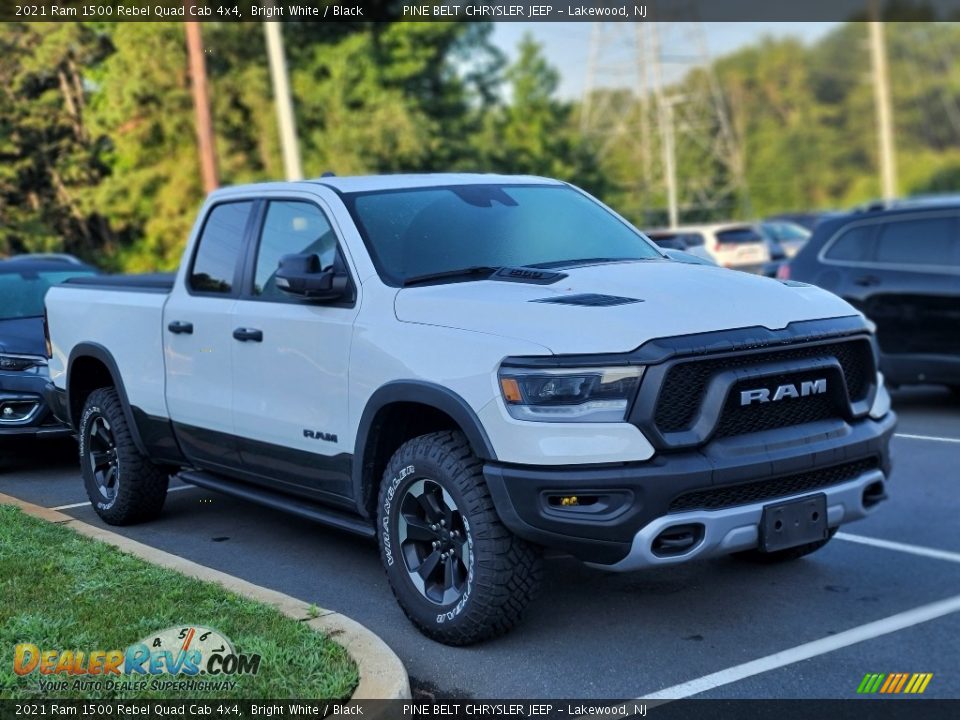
x=20, y=362
x=569, y=395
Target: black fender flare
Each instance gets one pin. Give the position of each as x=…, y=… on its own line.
x=100, y=353
x=422, y=393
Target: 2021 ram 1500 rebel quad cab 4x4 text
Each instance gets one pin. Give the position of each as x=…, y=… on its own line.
x=471, y=368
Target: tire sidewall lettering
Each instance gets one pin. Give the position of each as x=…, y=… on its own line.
x=84, y=423
x=391, y=491
x=89, y=413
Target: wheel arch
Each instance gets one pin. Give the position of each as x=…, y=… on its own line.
x=425, y=407
x=91, y=366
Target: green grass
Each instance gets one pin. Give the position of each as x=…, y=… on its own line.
x=62, y=591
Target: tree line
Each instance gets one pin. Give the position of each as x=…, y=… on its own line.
x=98, y=146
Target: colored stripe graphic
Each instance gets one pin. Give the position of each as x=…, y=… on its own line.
x=903, y=680
x=894, y=683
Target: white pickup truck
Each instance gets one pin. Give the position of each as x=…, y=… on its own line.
x=471, y=368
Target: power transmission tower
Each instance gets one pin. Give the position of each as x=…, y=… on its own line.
x=664, y=109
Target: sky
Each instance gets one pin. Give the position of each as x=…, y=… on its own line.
x=567, y=44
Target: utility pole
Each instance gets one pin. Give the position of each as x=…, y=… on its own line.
x=201, y=103
x=281, y=95
x=881, y=90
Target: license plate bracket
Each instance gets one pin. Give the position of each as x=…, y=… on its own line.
x=797, y=522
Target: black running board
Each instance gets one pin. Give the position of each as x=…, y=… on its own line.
x=278, y=501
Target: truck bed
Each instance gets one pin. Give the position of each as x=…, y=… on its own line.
x=122, y=314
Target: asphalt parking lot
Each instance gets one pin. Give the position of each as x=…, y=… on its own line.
x=884, y=596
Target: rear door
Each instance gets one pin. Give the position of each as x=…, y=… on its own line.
x=197, y=342
x=290, y=376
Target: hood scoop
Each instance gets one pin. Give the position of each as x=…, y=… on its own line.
x=532, y=276
x=589, y=300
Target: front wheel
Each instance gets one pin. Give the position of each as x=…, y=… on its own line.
x=458, y=573
x=122, y=484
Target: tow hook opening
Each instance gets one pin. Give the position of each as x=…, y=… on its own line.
x=874, y=494
x=677, y=539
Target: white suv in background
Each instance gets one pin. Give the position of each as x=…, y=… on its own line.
x=733, y=245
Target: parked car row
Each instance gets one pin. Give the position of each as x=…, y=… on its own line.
x=896, y=261
x=900, y=266
x=751, y=247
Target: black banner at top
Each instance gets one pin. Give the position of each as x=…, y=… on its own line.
x=227, y=709
x=478, y=10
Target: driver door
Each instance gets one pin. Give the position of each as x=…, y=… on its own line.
x=290, y=362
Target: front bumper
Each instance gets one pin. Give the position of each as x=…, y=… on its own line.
x=630, y=504
x=29, y=390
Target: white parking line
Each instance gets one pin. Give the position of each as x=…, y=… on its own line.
x=908, y=436
x=901, y=547
x=872, y=630
x=84, y=504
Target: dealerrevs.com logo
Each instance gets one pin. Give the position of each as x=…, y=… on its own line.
x=174, y=658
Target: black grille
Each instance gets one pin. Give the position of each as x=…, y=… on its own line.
x=589, y=300
x=737, y=419
x=762, y=490
x=686, y=382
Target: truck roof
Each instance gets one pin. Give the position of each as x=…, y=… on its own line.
x=363, y=183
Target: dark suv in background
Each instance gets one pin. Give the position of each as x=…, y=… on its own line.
x=901, y=268
x=24, y=281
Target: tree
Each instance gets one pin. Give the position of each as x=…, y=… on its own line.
x=533, y=133
x=49, y=156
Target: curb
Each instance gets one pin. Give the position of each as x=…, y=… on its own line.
x=382, y=674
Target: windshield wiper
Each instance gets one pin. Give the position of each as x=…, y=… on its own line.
x=586, y=261
x=466, y=273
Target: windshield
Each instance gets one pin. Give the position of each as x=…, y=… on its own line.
x=22, y=291
x=423, y=231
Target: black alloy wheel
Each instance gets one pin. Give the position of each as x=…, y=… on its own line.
x=433, y=542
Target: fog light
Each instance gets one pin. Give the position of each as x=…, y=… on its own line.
x=17, y=410
x=568, y=500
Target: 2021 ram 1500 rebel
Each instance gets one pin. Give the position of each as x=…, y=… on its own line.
x=471, y=368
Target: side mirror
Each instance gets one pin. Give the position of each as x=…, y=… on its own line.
x=302, y=276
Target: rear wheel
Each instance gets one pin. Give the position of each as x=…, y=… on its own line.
x=779, y=556
x=457, y=572
x=122, y=484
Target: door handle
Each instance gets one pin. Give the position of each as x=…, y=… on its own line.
x=867, y=281
x=248, y=335
x=179, y=327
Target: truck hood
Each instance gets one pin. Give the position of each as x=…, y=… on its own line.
x=675, y=299
x=22, y=336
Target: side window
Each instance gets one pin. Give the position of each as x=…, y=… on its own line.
x=927, y=241
x=694, y=239
x=220, y=248
x=853, y=245
x=291, y=228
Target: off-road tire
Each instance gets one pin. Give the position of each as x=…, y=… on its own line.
x=779, y=556
x=141, y=486
x=504, y=570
